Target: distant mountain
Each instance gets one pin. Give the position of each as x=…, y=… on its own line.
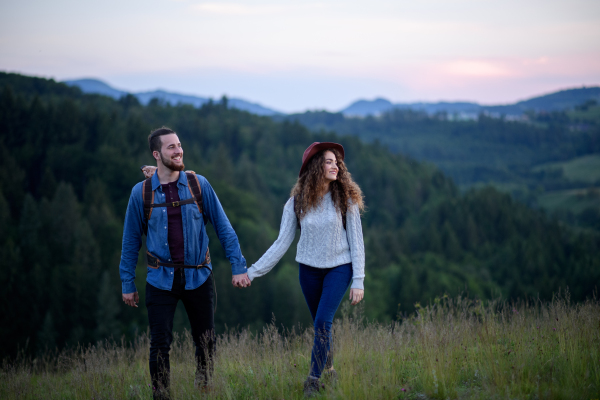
x=565, y=99
x=99, y=87
x=367, y=107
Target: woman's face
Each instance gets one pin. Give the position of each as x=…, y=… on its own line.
x=330, y=168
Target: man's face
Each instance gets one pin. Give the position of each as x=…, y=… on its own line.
x=171, y=153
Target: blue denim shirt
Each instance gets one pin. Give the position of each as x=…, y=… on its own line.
x=194, y=236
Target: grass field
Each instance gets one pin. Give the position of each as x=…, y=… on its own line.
x=575, y=200
x=452, y=349
x=582, y=169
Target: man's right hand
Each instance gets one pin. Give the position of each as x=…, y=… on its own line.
x=148, y=170
x=131, y=299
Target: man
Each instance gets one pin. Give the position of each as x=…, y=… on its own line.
x=176, y=235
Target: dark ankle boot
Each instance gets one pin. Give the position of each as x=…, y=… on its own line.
x=311, y=386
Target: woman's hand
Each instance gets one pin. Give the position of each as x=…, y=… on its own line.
x=356, y=295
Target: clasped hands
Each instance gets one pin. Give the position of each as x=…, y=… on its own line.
x=241, y=280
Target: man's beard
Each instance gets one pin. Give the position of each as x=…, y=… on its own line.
x=169, y=164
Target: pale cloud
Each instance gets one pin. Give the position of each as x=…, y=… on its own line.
x=476, y=68
x=539, y=61
x=234, y=9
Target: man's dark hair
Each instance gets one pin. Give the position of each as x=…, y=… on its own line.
x=154, y=138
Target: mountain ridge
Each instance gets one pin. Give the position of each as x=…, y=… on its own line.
x=560, y=100
x=96, y=86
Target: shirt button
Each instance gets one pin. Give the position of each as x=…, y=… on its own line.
x=171, y=273
x=165, y=244
x=165, y=227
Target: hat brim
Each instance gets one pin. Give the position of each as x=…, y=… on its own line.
x=317, y=148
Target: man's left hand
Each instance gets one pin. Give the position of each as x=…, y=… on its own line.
x=241, y=280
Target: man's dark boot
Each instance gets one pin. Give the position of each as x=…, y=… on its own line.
x=161, y=393
x=202, y=380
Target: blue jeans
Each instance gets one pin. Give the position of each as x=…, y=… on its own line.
x=323, y=289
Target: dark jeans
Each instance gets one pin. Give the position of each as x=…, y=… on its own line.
x=161, y=305
x=323, y=289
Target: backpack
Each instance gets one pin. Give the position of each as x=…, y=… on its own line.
x=148, y=197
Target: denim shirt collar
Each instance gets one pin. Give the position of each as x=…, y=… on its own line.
x=182, y=181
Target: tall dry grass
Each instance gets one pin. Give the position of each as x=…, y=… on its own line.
x=452, y=349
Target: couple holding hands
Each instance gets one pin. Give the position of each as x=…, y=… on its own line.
x=172, y=208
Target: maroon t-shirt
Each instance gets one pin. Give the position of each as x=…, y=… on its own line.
x=175, y=231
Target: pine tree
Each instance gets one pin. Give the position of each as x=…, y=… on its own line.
x=108, y=307
x=46, y=339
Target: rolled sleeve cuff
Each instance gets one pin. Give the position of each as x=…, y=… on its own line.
x=358, y=284
x=128, y=287
x=238, y=269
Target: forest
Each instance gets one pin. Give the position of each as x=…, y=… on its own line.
x=69, y=161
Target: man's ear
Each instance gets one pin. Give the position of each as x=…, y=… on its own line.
x=156, y=155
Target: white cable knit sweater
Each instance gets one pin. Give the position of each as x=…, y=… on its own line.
x=323, y=241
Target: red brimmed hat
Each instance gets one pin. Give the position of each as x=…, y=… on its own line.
x=315, y=148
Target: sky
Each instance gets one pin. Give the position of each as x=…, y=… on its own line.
x=298, y=55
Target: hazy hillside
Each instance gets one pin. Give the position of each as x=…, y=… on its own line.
x=548, y=160
x=69, y=161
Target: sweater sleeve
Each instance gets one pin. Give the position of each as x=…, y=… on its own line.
x=357, y=246
x=287, y=232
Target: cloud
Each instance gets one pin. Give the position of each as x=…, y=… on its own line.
x=536, y=61
x=259, y=9
x=476, y=68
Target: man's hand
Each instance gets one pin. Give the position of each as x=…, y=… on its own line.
x=148, y=170
x=241, y=281
x=131, y=299
x=356, y=295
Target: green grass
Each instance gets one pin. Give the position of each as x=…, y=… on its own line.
x=575, y=200
x=452, y=349
x=582, y=169
x=592, y=114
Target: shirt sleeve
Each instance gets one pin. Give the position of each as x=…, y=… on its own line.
x=132, y=240
x=357, y=246
x=287, y=232
x=227, y=236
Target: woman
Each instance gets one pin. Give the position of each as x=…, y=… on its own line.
x=326, y=204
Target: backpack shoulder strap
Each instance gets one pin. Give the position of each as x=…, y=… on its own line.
x=148, y=197
x=195, y=190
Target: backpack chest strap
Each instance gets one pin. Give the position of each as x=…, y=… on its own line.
x=193, y=186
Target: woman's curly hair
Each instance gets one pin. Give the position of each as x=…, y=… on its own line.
x=308, y=186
